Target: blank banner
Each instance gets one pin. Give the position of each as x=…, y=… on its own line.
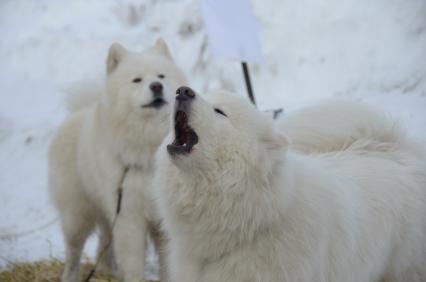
x=232, y=30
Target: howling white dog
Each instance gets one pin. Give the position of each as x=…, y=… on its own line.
x=240, y=205
x=120, y=128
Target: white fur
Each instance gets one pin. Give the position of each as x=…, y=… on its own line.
x=94, y=144
x=336, y=124
x=242, y=206
x=84, y=94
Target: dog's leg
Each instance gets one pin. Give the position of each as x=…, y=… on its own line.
x=182, y=268
x=130, y=243
x=159, y=240
x=105, y=251
x=76, y=229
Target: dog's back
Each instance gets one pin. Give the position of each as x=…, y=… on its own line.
x=83, y=94
x=336, y=125
x=371, y=157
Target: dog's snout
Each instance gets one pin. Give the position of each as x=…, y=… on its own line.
x=156, y=87
x=184, y=93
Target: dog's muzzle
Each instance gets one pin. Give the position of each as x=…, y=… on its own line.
x=185, y=136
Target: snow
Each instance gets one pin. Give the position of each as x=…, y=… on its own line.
x=373, y=51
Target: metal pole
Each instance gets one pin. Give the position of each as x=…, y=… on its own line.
x=248, y=82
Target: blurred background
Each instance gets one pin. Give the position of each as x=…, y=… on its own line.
x=373, y=51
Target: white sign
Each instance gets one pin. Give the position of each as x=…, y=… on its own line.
x=232, y=30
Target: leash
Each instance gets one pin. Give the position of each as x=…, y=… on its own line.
x=117, y=211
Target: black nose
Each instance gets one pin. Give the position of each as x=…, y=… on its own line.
x=184, y=93
x=156, y=87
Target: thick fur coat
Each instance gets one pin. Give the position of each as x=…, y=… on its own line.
x=122, y=126
x=243, y=205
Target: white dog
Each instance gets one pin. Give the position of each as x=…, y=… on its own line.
x=241, y=206
x=121, y=128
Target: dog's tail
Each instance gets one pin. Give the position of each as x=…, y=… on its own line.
x=83, y=94
x=340, y=125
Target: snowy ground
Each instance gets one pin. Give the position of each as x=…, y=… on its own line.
x=366, y=50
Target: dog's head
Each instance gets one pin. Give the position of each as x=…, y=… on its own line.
x=222, y=133
x=141, y=84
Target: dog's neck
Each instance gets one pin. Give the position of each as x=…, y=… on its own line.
x=133, y=141
x=236, y=208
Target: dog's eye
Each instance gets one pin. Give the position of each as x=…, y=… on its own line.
x=137, y=80
x=161, y=76
x=219, y=111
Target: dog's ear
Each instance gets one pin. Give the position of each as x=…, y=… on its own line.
x=115, y=55
x=162, y=48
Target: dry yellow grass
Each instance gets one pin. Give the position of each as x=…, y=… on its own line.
x=45, y=271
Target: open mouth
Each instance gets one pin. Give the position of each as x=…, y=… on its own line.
x=185, y=136
x=157, y=103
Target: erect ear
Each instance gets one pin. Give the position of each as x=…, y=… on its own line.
x=161, y=47
x=115, y=54
x=275, y=140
